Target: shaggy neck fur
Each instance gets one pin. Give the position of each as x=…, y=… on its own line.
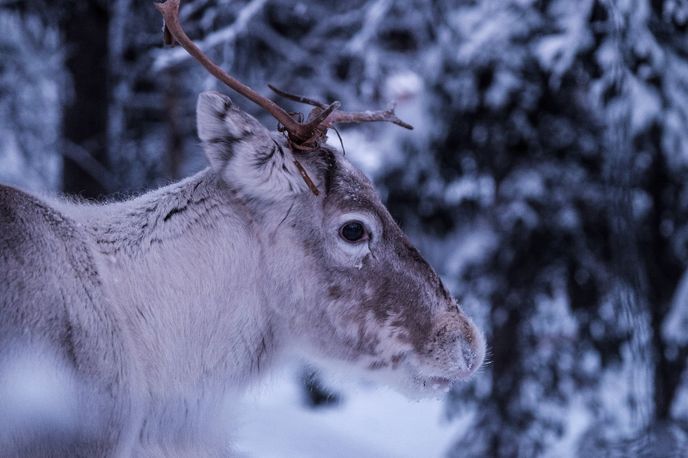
x=184, y=266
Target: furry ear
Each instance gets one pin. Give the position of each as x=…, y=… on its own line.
x=243, y=152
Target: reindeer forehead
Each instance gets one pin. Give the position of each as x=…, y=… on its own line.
x=348, y=187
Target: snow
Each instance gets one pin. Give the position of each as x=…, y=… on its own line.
x=504, y=84
x=36, y=392
x=375, y=13
x=31, y=72
x=557, y=52
x=577, y=421
x=466, y=247
x=171, y=57
x=483, y=28
x=679, y=410
x=553, y=317
x=371, y=422
x=676, y=322
x=647, y=104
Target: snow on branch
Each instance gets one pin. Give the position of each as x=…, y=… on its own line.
x=167, y=58
x=676, y=321
x=375, y=13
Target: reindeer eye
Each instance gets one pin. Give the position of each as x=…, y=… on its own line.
x=353, y=231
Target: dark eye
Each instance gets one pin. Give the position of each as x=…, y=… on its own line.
x=353, y=231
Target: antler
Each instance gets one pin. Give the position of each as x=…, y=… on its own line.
x=345, y=117
x=303, y=136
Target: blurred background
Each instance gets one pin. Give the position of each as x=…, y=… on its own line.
x=546, y=180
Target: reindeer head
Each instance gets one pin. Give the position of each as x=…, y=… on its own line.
x=350, y=286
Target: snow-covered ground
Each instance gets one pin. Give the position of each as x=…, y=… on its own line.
x=370, y=422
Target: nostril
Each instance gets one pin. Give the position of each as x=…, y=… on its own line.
x=471, y=350
x=469, y=356
x=457, y=345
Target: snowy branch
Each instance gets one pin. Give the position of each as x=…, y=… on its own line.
x=374, y=14
x=676, y=322
x=170, y=57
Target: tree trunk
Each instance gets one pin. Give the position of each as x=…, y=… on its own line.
x=174, y=140
x=84, y=124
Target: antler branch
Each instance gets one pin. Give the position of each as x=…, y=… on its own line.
x=388, y=115
x=296, y=98
x=344, y=117
x=305, y=136
x=170, y=13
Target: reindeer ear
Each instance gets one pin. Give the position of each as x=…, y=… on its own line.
x=243, y=151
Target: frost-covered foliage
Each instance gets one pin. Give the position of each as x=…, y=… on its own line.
x=547, y=177
x=31, y=79
x=560, y=139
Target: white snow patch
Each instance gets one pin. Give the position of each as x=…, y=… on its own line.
x=557, y=52
x=480, y=188
x=37, y=392
x=675, y=326
x=646, y=104
x=577, y=422
x=554, y=317
x=371, y=422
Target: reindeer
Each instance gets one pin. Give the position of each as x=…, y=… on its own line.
x=151, y=311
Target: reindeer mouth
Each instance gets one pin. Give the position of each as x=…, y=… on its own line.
x=434, y=384
x=440, y=381
x=436, y=381
x=437, y=384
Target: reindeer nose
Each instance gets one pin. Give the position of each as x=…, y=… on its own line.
x=471, y=353
x=465, y=345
